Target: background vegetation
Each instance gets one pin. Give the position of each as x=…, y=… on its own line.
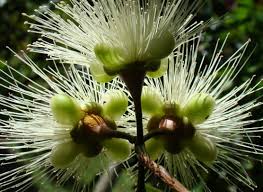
x=242, y=18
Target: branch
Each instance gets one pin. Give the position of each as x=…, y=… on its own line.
x=161, y=172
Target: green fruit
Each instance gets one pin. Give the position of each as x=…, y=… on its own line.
x=199, y=108
x=117, y=149
x=65, y=110
x=63, y=154
x=203, y=148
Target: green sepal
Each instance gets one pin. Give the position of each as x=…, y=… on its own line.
x=172, y=109
x=161, y=46
x=93, y=108
x=91, y=149
x=161, y=70
x=111, y=58
x=65, y=109
x=154, y=148
x=63, y=154
x=116, y=103
x=152, y=101
x=98, y=73
x=199, y=108
x=203, y=148
x=117, y=149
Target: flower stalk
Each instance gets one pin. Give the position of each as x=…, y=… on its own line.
x=134, y=81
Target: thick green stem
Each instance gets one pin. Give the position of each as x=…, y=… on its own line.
x=133, y=79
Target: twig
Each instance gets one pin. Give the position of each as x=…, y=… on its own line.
x=161, y=172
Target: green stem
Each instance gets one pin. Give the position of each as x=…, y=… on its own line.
x=134, y=79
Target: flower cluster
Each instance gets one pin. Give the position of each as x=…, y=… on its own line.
x=63, y=127
x=110, y=36
x=191, y=100
x=60, y=130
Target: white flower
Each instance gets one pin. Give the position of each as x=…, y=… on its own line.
x=224, y=131
x=127, y=31
x=32, y=135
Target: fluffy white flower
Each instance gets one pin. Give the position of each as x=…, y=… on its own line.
x=129, y=31
x=29, y=132
x=226, y=125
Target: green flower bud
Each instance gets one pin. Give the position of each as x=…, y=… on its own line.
x=203, y=148
x=65, y=110
x=99, y=74
x=154, y=148
x=116, y=103
x=161, y=46
x=111, y=58
x=152, y=101
x=199, y=108
x=117, y=149
x=63, y=154
x=161, y=70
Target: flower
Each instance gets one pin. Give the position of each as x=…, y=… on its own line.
x=110, y=36
x=211, y=125
x=56, y=129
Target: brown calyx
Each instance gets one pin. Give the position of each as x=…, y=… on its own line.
x=180, y=130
